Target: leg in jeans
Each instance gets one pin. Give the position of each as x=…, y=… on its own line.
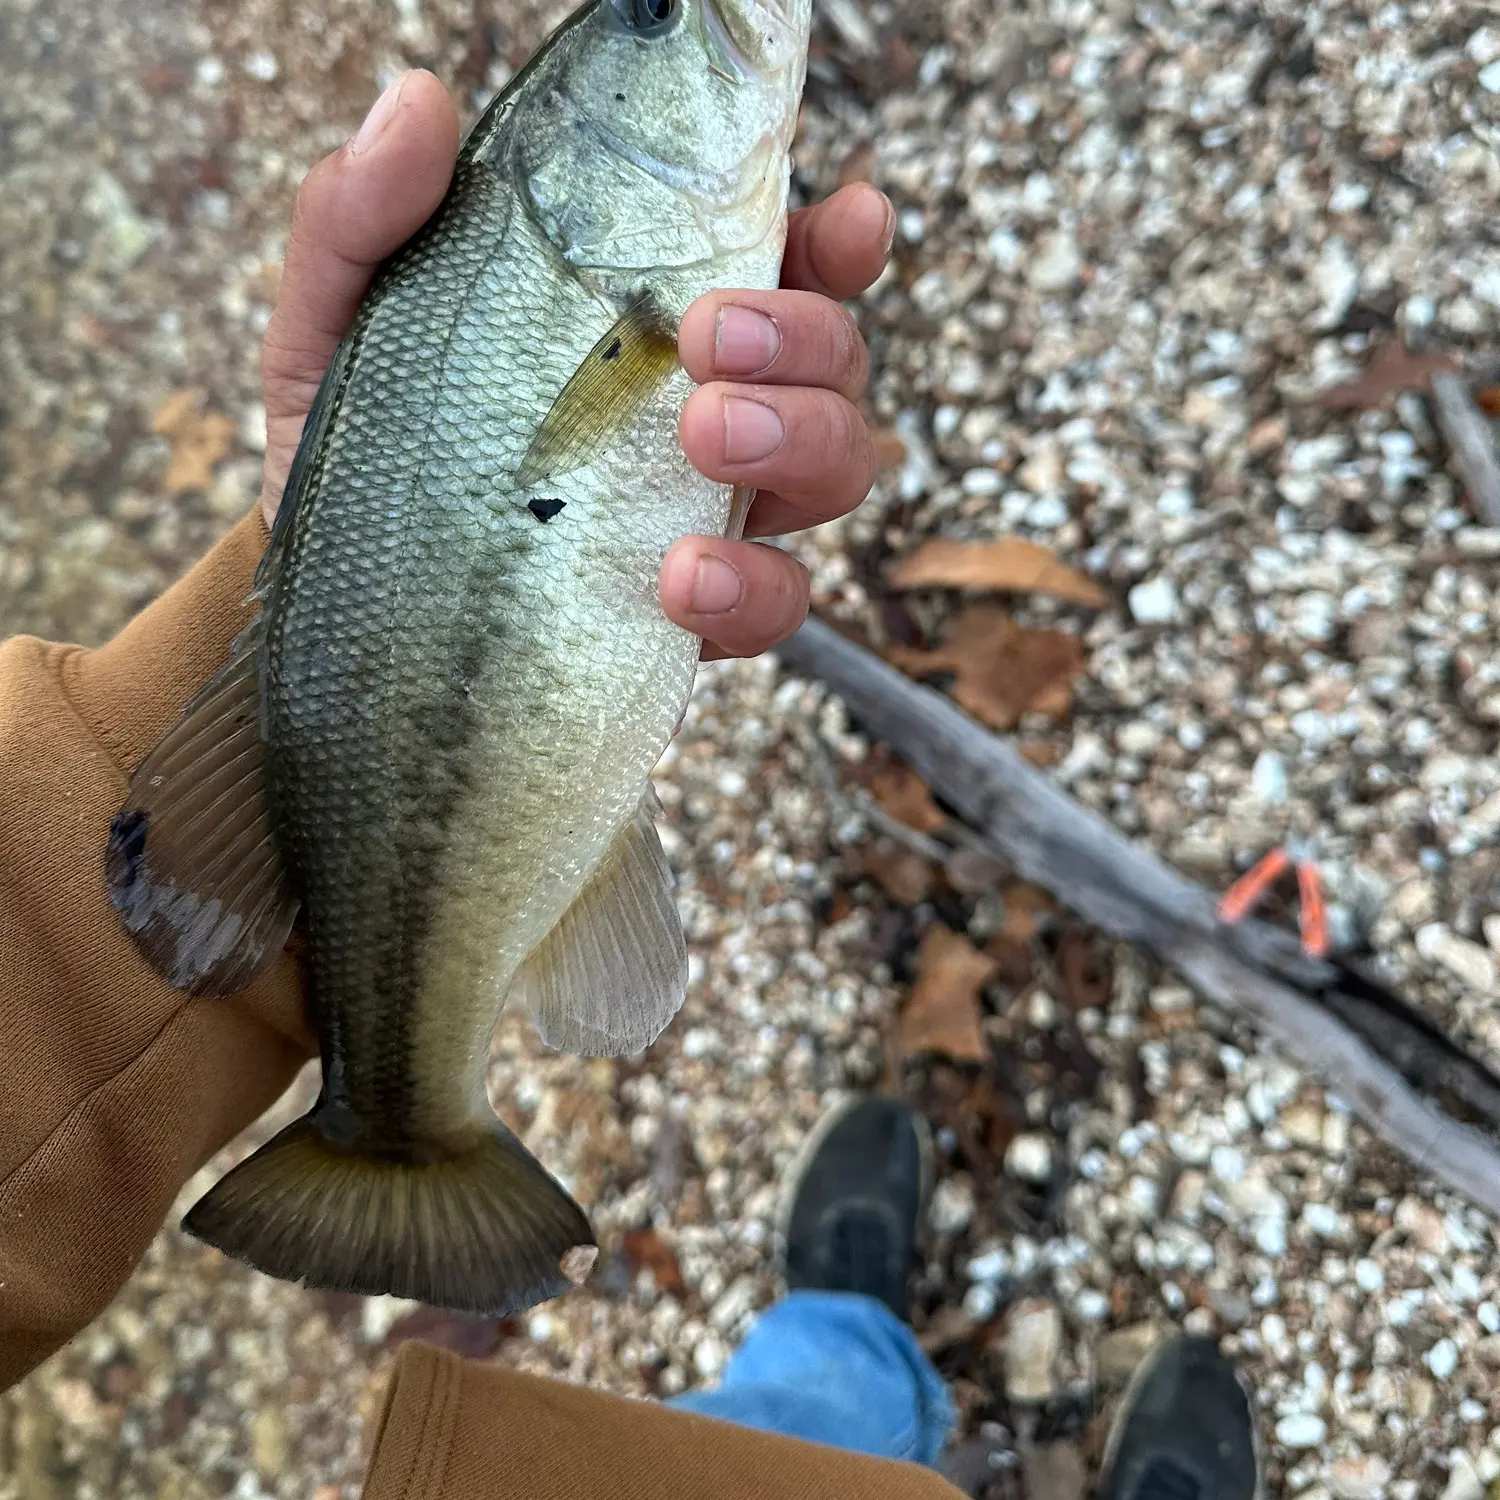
x=839, y=1368
x=836, y=1361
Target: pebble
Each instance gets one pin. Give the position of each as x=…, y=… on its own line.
x=1464, y=1482
x=1033, y=1342
x=1121, y=1350
x=1154, y=602
x=1491, y=927
x=1029, y=1158
x=990, y=1267
x=952, y=1205
x=1057, y=263
x=1268, y=778
x=1442, y=1358
x=1471, y=965
x=1302, y=1429
x=709, y=1355
x=1361, y=1476
x=980, y=1302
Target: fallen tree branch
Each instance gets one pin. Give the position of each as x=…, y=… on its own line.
x=1253, y=969
x=1471, y=438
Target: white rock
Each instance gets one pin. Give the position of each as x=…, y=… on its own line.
x=1362, y=1476
x=1489, y=77
x=1268, y=780
x=1033, y=1341
x=1154, y=602
x=980, y=1302
x=952, y=1205
x=709, y=1355
x=1302, y=1429
x=1442, y=1358
x=1471, y=965
x=989, y=1267
x=1057, y=263
x=1336, y=280
x=1464, y=1482
x=1322, y=1220
x=1491, y=925
x=1029, y=1158
x=734, y=1304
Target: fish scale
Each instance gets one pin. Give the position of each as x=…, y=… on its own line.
x=461, y=670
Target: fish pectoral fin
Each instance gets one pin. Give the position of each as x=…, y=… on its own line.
x=604, y=395
x=191, y=864
x=612, y=973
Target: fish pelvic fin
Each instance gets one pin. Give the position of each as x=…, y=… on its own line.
x=609, y=977
x=484, y=1230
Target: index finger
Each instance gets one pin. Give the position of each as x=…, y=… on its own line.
x=840, y=246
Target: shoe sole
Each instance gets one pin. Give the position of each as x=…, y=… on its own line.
x=1127, y=1402
x=809, y=1149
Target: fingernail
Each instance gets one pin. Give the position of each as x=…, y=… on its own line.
x=378, y=118
x=889, y=237
x=752, y=431
x=745, y=341
x=717, y=588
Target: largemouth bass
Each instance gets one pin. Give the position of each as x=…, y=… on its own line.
x=436, y=737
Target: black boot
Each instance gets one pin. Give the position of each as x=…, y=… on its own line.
x=855, y=1202
x=1186, y=1430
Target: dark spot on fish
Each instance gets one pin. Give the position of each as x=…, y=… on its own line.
x=613, y=352
x=127, y=847
x=620, y=97
x=544, y=510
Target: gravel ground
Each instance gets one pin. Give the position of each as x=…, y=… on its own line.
x=1136, y=242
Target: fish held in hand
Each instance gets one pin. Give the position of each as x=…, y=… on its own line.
x=435, y=739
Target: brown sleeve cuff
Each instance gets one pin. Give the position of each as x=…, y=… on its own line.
x=451, y=1428
x=114, y=1088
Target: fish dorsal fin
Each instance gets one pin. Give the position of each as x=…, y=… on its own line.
x=612, y=973
x=191, y=863
x=605, y=394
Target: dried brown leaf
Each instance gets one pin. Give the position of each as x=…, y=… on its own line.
x=1024, y=906
x=1006, y=564
x=1000, y=669
x=200, y=440
x=901, y=873
x=1392, y=369
x=889, y=449
x=467, y=1334
x=1487, y=398
x=647, y=1251
x=904, y=795
x=942, y=1014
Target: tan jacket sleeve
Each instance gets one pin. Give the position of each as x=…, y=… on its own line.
x=455, y=1430
x=114, y=1088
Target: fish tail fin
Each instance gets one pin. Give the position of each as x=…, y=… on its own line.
x=485, y=1229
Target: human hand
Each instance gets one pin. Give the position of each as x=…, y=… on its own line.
x=799, y=368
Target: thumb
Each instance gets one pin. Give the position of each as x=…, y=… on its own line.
x=354, y=208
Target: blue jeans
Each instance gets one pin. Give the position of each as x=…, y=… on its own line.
x=837, y=1368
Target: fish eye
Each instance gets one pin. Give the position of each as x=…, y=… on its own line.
x=648, y=17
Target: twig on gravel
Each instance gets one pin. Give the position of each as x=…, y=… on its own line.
x=1471, y=438
x=1049, y=839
